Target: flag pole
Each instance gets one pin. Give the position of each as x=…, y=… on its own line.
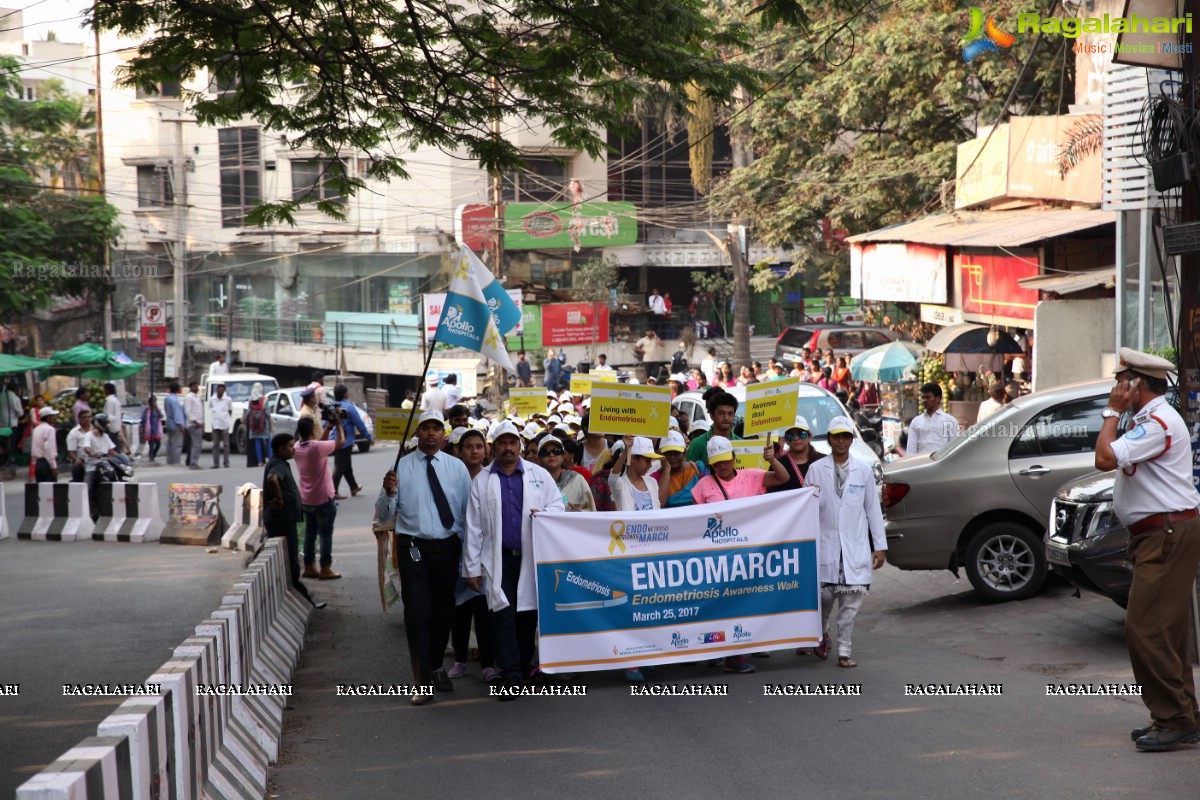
x=416, y=402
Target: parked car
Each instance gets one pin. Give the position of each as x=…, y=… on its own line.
x=847, y=340
x=982, y=501
x=815, y=404
x=237, y=387
x=283, y=405
x=1086, y=543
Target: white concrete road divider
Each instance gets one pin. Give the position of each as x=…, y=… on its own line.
x=257, y=719
x=189, y=754
x=128, y=512
x=3, y=519
x=95, y=769
x=145, y=722
x=56, y=512
x=246, y=531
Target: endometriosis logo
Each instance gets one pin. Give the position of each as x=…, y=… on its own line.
x=616, y=534
x=981, y=38
x=573, y=592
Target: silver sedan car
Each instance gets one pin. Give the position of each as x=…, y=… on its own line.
x=982, y=501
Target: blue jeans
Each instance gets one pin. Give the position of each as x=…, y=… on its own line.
x=318, y=523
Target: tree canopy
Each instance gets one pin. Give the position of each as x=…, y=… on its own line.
x=55, y=226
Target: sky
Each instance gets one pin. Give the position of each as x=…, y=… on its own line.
x=41, y=16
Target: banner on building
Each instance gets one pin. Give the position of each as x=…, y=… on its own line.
x=574, y=323
x=549, y=226
x=625, y=410
x=771, y=406
x=623, y=590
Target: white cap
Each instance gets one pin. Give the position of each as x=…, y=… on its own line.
x=642, y=446
x=719, y=449
x=673, y=424
x=800, y=423
x=48, y=411
x=532, y=430
x=564, y=430
x=502, y=428
x=587, y=401
x=699, y=425
x=432, y=380
x=457, y=434
x=554, y=419
x=547, y=440
x=840, y=424
x=634, y=381
x=482, y=425
x=565, y=395
x=573, y=419
x=673, y=441
x=426, y=416
x=678, y=376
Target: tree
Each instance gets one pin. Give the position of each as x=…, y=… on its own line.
x=374, y=77
x=862, y=129
x=56, y=225
x=595, y=279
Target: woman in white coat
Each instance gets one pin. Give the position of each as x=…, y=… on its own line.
x=507, y=568
x=852, y=539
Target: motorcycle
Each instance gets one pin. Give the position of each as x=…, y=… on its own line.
x=115, y=469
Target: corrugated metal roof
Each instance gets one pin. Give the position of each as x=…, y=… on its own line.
x=991, y=228
x=1068, y=282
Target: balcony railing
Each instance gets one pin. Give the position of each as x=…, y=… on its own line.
x=401, y=332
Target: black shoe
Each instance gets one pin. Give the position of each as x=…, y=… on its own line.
x=1160, y=739
x=319, y=606
x=1138, y=733
x=441, y=681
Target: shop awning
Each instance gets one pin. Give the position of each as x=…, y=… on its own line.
x=991, y=228
x=93, y=361
x=15, y=365
x=1068, y=282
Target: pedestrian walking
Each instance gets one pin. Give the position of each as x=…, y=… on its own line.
x=632, y=487
x=44, y=447
x=220, y=411
x=576, y=494
x=524, y=371
x=470, y=609
x=678, y=475
x=174, y=424
x=282, y=509
x=722, y=413
x=1155, y=499
x=193, y=409
x=112, y=410
x=150, y=428
x=933, y=428
x=316, y=494
x=343, y=457
x=257, y=424
x=797, y=455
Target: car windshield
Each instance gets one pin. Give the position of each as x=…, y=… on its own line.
x=239, y=391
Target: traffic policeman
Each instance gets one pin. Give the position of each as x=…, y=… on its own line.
x=1156, y=500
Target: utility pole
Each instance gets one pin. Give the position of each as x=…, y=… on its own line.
x=107, y=308
x=229, y=312
x=497, y=260
x=179, y=254
x=741, y=296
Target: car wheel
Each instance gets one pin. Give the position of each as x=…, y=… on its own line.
x=1006, y=561
x=363, y=446
x=239, y=439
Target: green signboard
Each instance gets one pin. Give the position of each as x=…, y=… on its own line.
x=550, y=226
x=531, y=321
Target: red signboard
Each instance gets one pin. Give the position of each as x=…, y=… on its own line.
x=154, y=326
x=473, y=226
x=574, y=323
x=989, y=284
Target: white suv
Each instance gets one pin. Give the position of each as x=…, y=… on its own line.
x=237, y=387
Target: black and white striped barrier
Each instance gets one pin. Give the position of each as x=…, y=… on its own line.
x=260, y=716
x=95, y=769
x=3, y=519
x=56, y=512
x=145, y=722
x=128, y=512
x=246, y=531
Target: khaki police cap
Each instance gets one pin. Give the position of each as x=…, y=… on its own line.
x=1143, y=364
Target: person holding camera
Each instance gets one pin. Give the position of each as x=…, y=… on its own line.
x=316, y=492
x=350, y=422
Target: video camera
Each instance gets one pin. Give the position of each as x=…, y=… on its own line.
x=332, y=413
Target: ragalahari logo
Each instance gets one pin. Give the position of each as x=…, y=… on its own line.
x=982, y=38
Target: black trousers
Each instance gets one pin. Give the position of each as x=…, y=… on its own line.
x=287, y=529
x=43, y=472
x=513, y=632
x=343, y=465
x=474, y=610
x=427, y=590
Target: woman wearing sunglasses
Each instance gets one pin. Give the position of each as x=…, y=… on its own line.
x=576, y=494
x=798, y=454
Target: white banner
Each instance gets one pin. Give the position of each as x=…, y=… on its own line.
x=625, y=590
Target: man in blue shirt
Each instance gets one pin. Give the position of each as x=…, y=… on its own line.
x=174, y=423
x=342, y=457
x=429, y=516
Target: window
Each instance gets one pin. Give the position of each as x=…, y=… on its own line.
x=651, y=167
x=1063, y=430
x=29, y=93
x=544, y=179
x=241, y=173
x=875, y=338
x=316, y=179
x=154, y=186
x=161, y=89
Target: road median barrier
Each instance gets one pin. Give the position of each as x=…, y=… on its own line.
x=56, y=512
x=127, y=512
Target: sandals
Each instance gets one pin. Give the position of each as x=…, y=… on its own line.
x=822, y=650
x=846, y=662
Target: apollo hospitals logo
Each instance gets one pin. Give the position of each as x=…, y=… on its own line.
x=456, y=321
x=717, y=532
x=741, y=634
x=678, y=640
x=573, y=592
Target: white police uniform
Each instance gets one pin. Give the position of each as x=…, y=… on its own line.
x=1155, y=465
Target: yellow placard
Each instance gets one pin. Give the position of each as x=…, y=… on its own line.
x=603, y=375
x=581, y=384
x=770, y=406
x=748, y=453
x=390, y=423
x=630, y=410
x=528, y=401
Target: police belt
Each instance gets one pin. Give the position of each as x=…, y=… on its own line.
x=1156, y=522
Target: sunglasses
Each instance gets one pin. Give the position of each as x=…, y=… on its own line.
x=557, y=451
x=792, y=436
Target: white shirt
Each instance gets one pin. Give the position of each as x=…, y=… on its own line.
x=10, y=405
x=987, y=408
x=928, y=432
x=222, y=412
x=217, y=368
x=193, y=409
x=657, y=304
x=709, y=367
x=96, y=445
x=1155, y=465
x=112, y=407
x=453, y=395
x=75, y=438
x=44, y=443
x=602, y=368
x=433, y=398
x=1018, y=366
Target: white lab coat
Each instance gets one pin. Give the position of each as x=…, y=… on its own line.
x=851, y=525
x=483, y=546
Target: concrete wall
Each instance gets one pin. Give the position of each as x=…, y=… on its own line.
x=1071, y=339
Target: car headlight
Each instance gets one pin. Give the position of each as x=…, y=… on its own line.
x=1102, y=519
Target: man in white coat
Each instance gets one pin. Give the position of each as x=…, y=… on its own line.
x=852, y=540
x=498, y=552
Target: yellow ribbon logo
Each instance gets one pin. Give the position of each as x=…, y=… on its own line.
x=616, y=531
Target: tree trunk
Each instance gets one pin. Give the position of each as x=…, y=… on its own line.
x=741, y=300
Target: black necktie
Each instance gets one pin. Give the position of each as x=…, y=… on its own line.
x=439, y=495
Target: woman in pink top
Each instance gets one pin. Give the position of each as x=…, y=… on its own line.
x=727, y=482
